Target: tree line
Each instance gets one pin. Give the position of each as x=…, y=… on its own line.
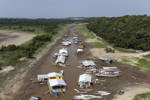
x=130, y=31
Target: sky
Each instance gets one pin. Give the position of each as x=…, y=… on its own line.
x=72, y=8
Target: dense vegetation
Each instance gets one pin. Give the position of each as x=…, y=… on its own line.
x=125, y=32
x=33, y=25
x=44, y=28
x=143, y=96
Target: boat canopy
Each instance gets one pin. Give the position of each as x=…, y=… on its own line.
x=87, y=63
x=53, y=74
x=110, y=70
x=60, y=59
x=56, y=82
x=63, y=51
x=85, y=78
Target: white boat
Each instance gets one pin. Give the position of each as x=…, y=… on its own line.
x=79, y=50
x=86, y=97
x=55, y=82
x=57, y=85
x=103, y=93
x=63, y=52
x=66, y=43
x=85, y=80
x=88, y=63
x=108, y=73
x=91, y=70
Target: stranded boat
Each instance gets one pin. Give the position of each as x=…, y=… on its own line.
x=108, y=72
x=55, y=82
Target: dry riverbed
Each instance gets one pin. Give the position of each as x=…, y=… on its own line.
x=23, y=87
x=16, y=38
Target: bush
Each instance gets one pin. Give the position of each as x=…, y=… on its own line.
x=9, y=48
x=37, y=42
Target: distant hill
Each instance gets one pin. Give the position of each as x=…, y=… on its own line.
x=126, y=32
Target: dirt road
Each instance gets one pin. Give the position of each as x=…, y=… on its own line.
x=130, y=76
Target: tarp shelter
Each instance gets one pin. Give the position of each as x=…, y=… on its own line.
x=66, y=43
x=85, y=80
x=57, y=85
x=75, y=37
x=45, y=77
x=63, y=51
x=52, y=74
x=56, y=82
x=35, y=98
x=108, y=60
x=88, y=63
x=79, y=50
x=60, y=59
x=110, y=67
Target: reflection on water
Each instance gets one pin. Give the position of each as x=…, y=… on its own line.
x=5, y=37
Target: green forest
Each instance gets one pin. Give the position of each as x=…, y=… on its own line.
x=130, y=31
x=37, y=26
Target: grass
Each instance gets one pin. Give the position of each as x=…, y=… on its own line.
x=12, y=58
x=99, y=45
x=126, y=60
x=38, y=30
x=143, y=63
x=143, y=96
x=147, y=56
x=84, y=30
x=125, y=50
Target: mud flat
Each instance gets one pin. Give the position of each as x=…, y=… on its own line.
x=8, y=37
x=130, y=76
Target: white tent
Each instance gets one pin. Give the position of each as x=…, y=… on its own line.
x=88, y=63
x=79, y=50
x=56, y=82
x=63, y=51
x=66, y=43
x=44, y=77
x=52, y=74
x=85, y=80
x=60, y=59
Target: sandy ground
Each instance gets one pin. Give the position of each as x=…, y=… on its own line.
x=8, y=37
x=22, y=86
x=118, y=56
x=130, y=92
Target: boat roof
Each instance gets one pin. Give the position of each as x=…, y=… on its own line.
x=60, y=59
x=104, y=58
x=57, y=82
x=63, y=50
x=85, y=78
x=110, y=70
x=88, y=63
x=52, y=74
